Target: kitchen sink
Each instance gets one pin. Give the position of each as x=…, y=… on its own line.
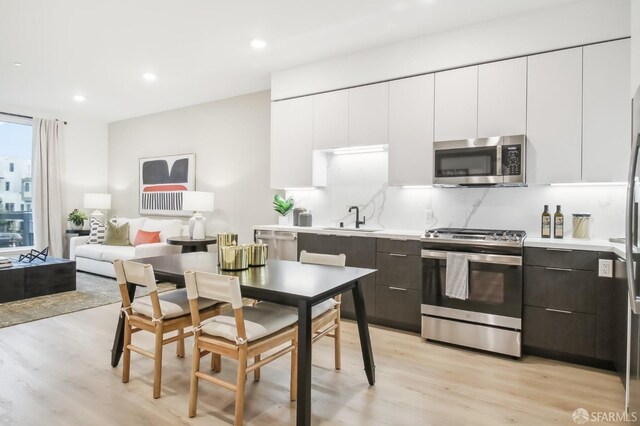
x=337, y=228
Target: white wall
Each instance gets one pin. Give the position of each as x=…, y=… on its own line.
x=231, y=141
x=362, y=180
x=635, y=45
x=568, y=25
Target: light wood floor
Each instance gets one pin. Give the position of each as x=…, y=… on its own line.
x=56, y=372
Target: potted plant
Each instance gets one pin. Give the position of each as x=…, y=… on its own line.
x=283, y=207
x=76, y=219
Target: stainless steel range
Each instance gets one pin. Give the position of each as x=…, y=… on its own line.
x=478, y=302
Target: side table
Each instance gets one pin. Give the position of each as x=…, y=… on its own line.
x=70, y=233
x=190, y=245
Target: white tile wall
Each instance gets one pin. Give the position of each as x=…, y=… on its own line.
x=362, y=180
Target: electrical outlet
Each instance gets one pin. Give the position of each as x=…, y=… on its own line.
x=605, y=268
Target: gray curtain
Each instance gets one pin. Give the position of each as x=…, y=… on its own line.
x=48, y=224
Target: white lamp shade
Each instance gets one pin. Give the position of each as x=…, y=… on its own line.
x=97, y=201
x=197, y=201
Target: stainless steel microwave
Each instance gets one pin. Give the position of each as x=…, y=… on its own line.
x=499, y=160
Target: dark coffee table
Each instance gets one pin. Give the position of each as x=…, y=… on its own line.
x=25, y=280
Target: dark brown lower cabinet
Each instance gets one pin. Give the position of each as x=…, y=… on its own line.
x=398, y=307
x=391, y=295
x=572, y=314
x=570, y=333
x=360, y=252
x=368, y=284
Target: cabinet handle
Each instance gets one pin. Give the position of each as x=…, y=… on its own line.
x=397, y=288
x=398, y=239
x=562, y=250
x=559, y=269
x=560, y=311
x=397, y=255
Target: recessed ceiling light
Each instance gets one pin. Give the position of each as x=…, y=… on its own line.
x=17, y=64
x=258, y=44
x=79, y=98
x=149, y=76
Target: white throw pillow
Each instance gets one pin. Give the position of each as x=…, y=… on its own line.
x=168, y=228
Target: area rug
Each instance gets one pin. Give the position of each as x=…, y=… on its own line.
x=91, y=291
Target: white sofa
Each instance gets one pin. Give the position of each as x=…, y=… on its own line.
x=98, y=258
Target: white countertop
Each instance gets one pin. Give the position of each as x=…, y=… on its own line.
x=576, y=244
x=381, y=233
x=565, y=243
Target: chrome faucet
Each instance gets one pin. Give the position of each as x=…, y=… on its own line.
x=358, y=222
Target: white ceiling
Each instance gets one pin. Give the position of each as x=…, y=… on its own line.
x=199, y=49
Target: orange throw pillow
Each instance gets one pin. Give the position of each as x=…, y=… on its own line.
x=146, y=237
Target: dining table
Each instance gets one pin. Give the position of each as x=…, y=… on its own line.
x=284, y=282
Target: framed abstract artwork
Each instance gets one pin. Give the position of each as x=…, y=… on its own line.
x=163, y=181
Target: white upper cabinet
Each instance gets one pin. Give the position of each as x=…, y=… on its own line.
x=606, y=117
x=502, y=98
x=331, y=120
x=292, y=143
x=369, y=115
x=554, y=117
x=411, y=131
x=456, y=104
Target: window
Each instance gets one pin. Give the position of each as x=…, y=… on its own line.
x=16, y=227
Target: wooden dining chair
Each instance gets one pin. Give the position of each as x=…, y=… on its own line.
x=157, y=314
x=245, y=333
x=326, y=315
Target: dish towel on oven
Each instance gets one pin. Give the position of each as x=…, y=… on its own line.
x=457, y=284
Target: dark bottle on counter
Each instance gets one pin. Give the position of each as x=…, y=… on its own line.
x=558, y=223
x=546, y=222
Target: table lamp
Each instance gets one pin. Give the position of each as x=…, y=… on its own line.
x=97, y=202
x=198, y=202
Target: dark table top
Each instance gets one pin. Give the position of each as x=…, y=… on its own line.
x=37, y=262
x=279, y=280
x=183, y=241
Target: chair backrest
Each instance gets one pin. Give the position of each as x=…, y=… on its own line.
x=140, y=274
x=135, y=273
x=323, y=259
x=225, y=288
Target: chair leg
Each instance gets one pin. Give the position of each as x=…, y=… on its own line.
x=157, y=361
x=294, y=368
x=216, y=362
x=336, y=343
x=256, y=372
x=193, y=390
x=126, y=366
x=180, y=345
x=240, y=384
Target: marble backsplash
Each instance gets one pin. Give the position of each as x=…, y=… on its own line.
x=362, y=180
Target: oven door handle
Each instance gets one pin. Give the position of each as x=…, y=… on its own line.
x=498, y=259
